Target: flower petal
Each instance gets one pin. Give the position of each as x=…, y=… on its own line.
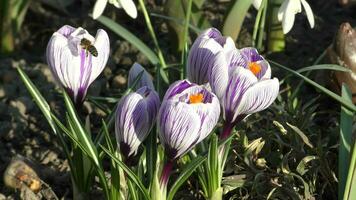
x=219, y=75
x=258, y=97
x=129, y=7
x=239, y=81
x=145, y=80
x=176, y=88
x=282, y=10
x=66, y=30
x=131, y=125
x=309, y=12
x=179, y=127
x=209, y=114
x=102, y=45
x=257, y=4
x=200, y=59
x=99, y=8
x=152, y=101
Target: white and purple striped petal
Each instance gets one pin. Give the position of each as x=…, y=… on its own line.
x=73, y=66
x=145, y=79
x=183, y=121
x=135, y=116
x=202, y=53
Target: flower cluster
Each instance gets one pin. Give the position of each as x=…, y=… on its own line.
x=241, y=79
x=219, y=76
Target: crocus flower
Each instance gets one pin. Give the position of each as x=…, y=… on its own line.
x=244, y=86
x=135, y=116
x=128, y=5
x=202, y=52
x=188, y=114
x=288, y=10
x=145, y=79
x=73, y=65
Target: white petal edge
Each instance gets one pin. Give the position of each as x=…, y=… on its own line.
x=129, y=7
x=102, y=44
x=259, y=97
x=219, y=75
x=257, y=4
x=309, y=13
x=99, y=8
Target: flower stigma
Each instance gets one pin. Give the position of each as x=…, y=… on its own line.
x=196, y=98
x=254, y=67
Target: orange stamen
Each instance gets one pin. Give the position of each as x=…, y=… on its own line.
x=196, y=98
x=254, y=67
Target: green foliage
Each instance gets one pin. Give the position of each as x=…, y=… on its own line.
x=235, y=18
x=12, y=14
x=346, y=142
x=178, y=10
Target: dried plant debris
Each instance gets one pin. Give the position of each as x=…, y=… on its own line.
x=21, y=176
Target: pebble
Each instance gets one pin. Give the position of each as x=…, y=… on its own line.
x=119, y=81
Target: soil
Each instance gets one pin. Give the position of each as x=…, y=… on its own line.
x=25, y=132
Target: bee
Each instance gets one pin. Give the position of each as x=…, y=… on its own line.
x=86, y=44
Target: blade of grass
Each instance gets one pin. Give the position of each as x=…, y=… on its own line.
x=235, y=18
x=80, y=131
x=127, y=35
x=324, y=66
x=46, y=111
x=130, y=174
x=338, y=98
x=185, y=37
x=155, y=41
x=346, y=118
x=184, y=175
x=178, y=21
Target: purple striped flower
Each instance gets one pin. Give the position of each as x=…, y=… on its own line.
x=243, y=84
x=202, y=53
x=75, y=65
x=135, y=116
x=188, y=114
x=145, y=79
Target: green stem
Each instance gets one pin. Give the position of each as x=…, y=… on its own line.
x=155, y=41
x=185, y=36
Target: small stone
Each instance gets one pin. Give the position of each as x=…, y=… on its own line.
x=119, y=81
x=2, y=92
x=126, y=61
x=19, y=173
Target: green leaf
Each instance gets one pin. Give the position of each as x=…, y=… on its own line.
x=302, y=135
x=178, y=10
x=324, y=66
x=184, y=175
x=338, y=98
x=302, y=164
x=83, y=137
x=130, y=174
x=127, y=35
x=235, y=18
x=346, y=141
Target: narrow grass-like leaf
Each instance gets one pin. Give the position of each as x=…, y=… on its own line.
x=323, y=67
x=44, y=107
x=301, y=134
x=80, y=131
x=184, y=175
x=178, y=21
x=235, y=18
x=130, y=174
x=127, y=35
x=346, y=117
x=302, y=164
x=338, y=98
